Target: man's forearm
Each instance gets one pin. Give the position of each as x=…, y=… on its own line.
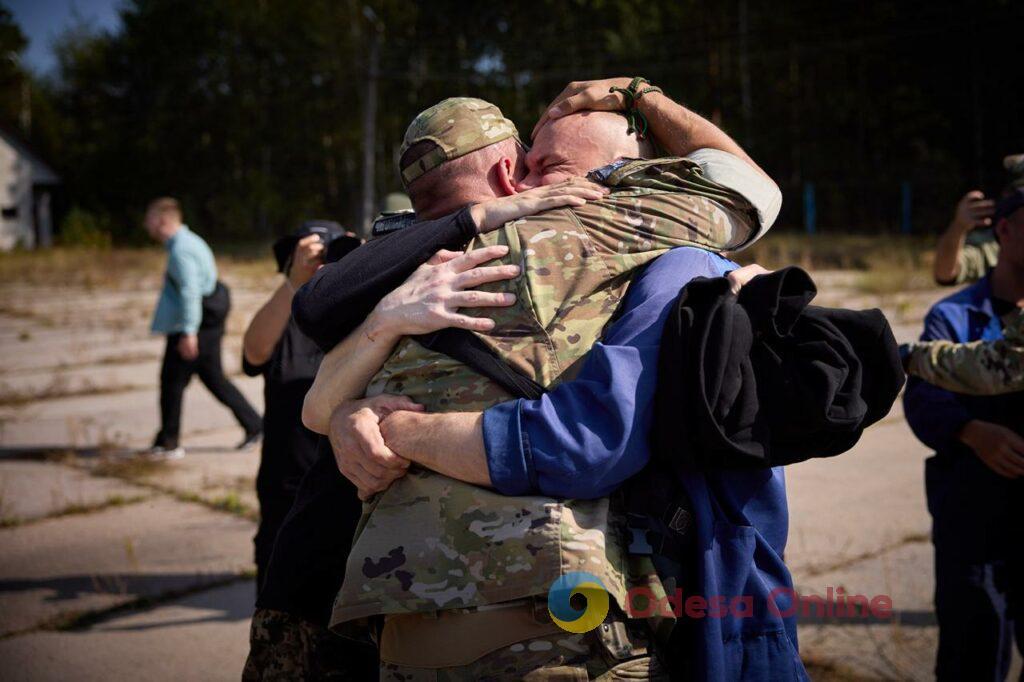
x=682, y=132
x=947, y=253
x=345, y=372
x=451, y=444
x=340, y=295
x=267, y=326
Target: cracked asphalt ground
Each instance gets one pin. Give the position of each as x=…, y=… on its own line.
x=115, y=570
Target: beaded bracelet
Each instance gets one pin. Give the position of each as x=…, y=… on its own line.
x=634, y=117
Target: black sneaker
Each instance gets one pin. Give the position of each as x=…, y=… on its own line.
x=250, y=440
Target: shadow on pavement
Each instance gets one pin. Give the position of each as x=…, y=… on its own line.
x=148, y=584
x=42, y=453
x=226, y=604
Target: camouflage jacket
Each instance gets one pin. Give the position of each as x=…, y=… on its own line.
x=430, y=542
x=979, y=255
x=976, y=368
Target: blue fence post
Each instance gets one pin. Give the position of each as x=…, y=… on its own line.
x=906, y=202
x=810, y=209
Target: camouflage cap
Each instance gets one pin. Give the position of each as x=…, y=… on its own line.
x=1014, y=164
x=395, y=202
x=457, y=126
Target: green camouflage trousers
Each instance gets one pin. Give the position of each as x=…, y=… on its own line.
x=283, y=647
x=563, y=657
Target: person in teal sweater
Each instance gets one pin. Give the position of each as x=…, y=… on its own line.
x=191, y=312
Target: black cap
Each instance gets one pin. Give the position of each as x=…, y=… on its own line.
x=1007, y=204
x=285, y=246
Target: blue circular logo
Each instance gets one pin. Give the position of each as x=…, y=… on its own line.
x=572, y=618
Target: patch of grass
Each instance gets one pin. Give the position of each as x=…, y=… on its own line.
x=11, y=521
x=128, y=468
x=57, y=388
x=883, y=264
x=110, y=502
x=68, y=457
x=74, y=510
x=16, y=313
x=229, y=502
x=142, y=472
x=120, y=268
x=889, y=281
x=841, y=252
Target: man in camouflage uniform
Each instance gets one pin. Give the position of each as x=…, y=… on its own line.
x=968, y=249
x=435, y=554
x=976, y=368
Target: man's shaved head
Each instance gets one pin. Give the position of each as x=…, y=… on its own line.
x=573, y=145
x=477, y=176
x=461, y=150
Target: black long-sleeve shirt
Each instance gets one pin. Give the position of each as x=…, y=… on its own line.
x=340, y=295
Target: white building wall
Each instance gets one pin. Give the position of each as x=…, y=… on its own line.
x=20, y=171
x=15, y=196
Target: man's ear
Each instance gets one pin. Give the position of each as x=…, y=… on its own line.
x=504, y=172
x=1001, y=229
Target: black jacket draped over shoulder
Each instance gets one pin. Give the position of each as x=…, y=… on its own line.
x=764, y=378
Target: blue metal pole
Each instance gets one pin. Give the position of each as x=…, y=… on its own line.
x=906, y=202
x=810, y=209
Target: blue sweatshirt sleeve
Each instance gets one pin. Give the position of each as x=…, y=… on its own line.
x=184, y=269
x=585, y=437
x=934, y=414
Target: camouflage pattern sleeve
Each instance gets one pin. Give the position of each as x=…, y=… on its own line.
x=659, y=204
x=978, y=256
x=976, y=368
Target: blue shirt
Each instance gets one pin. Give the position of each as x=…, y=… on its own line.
x=587, y=436
x=191, y=274
x=936, y=415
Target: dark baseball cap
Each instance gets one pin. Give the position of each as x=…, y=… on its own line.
x=1008, y=203
x=284, y=247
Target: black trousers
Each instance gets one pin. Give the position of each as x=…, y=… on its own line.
x=307, y=565
x=273, y=510
x=284, y=461
x=176, y=373
x=979, y=571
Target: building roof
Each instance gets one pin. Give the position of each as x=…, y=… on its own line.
x=42, y=172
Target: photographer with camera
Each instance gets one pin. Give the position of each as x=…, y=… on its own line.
x=274, y=347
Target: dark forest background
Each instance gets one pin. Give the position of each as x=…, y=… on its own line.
x=255, y=112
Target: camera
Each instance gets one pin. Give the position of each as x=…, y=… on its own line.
x=337, y=244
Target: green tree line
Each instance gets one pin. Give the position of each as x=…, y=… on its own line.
x=253, y=112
